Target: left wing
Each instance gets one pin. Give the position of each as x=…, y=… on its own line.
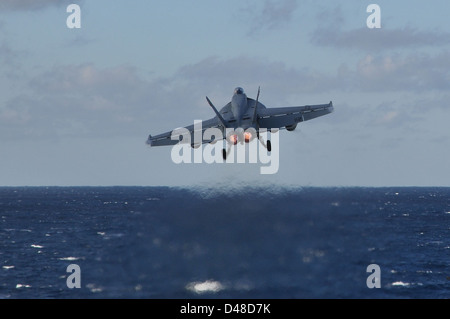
x=290, y=116
x=165, y=138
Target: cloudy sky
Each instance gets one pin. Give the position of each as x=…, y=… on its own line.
x=77, y=105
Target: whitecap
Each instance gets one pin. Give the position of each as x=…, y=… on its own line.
x=209, y=286
x=8, y=267
x=22, y=286
x=400, y=283
x=69, y=258
x=37, y=246
x=335, y=204
x=93, y=288
x=109, y=236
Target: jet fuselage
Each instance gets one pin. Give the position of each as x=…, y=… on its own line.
x=239, y=105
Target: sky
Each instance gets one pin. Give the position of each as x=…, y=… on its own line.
x=77, y=104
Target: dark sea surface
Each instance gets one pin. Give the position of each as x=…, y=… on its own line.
x=160, y=242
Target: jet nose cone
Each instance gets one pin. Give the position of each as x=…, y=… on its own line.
x=238, y=90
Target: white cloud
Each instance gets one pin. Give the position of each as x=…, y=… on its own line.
x=388, y=117
x=415, y=72
x=86, y=100
x=378, y=39
x=271, y=16
x=252, y=72
x=371, y=73
x=77, y=100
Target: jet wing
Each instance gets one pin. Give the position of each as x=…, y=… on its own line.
x=280, y=117
x=165, y=138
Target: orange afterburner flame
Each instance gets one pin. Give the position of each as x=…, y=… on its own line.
x=247, y=136
x=234, y=139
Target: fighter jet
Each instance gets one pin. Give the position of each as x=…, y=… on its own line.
x=242, y=119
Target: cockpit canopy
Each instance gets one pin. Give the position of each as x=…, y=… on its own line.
x=238, y=90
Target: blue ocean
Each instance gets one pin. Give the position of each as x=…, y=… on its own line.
x=246, y=242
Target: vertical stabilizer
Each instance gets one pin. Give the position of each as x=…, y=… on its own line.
x=256, y=107
x=221, y=119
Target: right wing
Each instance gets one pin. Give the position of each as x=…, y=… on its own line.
x=165, y=138
x=279, y=117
